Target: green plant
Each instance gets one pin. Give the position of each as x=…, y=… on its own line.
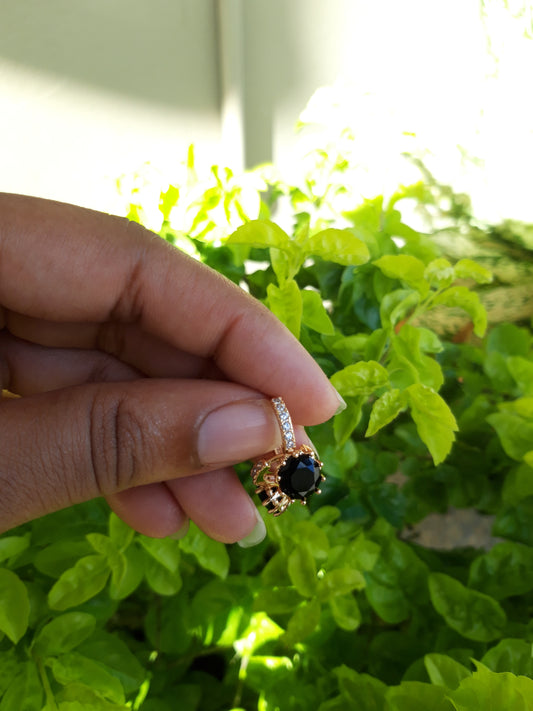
x=339, y=607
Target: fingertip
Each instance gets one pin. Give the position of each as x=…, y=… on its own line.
x=151, y=510
x=256, y=535
x=217, y=502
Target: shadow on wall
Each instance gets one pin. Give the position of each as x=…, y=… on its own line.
x=162, y=52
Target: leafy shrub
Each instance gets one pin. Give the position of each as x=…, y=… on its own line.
x=339, y=607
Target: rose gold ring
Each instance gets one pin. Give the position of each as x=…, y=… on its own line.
x=290, y=473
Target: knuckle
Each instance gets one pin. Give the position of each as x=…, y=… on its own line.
x=118, y=446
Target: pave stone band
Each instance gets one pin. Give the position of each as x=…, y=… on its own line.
x=285, y=424
x=288, y=473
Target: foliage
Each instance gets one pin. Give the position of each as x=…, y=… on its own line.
x=339, y=607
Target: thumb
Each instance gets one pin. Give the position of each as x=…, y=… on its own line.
x=71, y=445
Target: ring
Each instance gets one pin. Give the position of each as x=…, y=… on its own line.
x=290, y=473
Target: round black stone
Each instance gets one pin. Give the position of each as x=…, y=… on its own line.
x=299, y=476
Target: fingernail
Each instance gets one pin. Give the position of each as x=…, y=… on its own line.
x=256, y=536
x=180, y=533
x=238, y=431
x=342, y=403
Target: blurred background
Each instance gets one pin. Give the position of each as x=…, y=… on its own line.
x=91, y=90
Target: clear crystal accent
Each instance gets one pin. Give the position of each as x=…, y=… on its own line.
x=285, y=423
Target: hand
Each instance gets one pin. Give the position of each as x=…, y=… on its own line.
x=137, y=368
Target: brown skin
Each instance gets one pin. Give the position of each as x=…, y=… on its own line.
x=120, y=347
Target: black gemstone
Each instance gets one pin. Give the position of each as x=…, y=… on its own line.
x=299, y=476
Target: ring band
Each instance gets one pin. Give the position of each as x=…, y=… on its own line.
x=290, y=473
x=285, y=424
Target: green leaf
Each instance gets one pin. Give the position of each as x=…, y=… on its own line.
x=487, y=691
x=360, y=691
x=338, y=703
x=440, y=273
x=522, y=406
x=74, y=667
x=362, y=378
x=167, y=200
x=14, y=605
x=127, y=576
x=528, y=459
x=409, y=364
x=339, y=246
x=347, y=420
x=303, y=622
x=375, y=344
x=211, y=555
x=515, y=522
x=280, y=600
x=340, y=581
x=260, y=630
x=314, y=313
x=119, y=532
x=518, y=484
x=285, y=302
x=261, y=233
x=116, y=658
x=471, y=613
x=58, y=557
x=509, y=340
x=267, y=673
x=162, y=564
x=166, y=551
x=25, y=692
x=102, y=544
x=397, y=582
x=362, y=553
x=302, y=571
x=408, y=269
x=515, y=433
x=397, y=306
x=463, y=298
x=79, y=583
x=427, y=340
x=468, y=269
x=521, y=370
x=384, y=410
x=347, y=349
x=495, y=367
x=434, y=420
x=510, y=655
x=281, y=264
x=346, y=612
x=339, y=459
x=445, y=671
x=80, y=697
x=368, y=215
x=63, y=634
x=417, y=696
x=10, y=666
x=11, y=546
x=168, y=625
x=314, y=538
x=506, y=570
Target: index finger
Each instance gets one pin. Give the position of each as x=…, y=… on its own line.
x=68, y=264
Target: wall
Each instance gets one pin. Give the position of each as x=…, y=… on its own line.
x=91, y=89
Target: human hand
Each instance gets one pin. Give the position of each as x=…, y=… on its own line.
x=143, y=375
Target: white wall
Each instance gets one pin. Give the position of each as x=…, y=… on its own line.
x=91, y=89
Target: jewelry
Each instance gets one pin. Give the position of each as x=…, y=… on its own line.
x=290, y=472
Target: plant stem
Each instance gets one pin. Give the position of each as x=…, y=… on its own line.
x=50, y=698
